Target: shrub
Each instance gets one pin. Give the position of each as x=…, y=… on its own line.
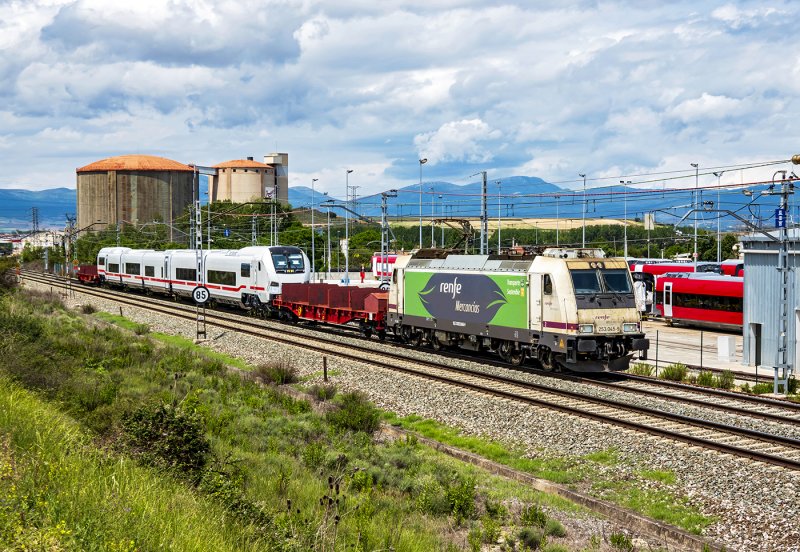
x=621, y=541
x=167, y=437
x=431, y=498
x=279, y=372
x=355, y=413
x=461, y=497
x=641, y=369
x=534, y=539
x=792, y=386
x=313, y=455
x=491, y=530
x=88, y=309
x=745, y=388
x=141, y=329
x=705, y=378
x=495, y=510
x=674, y=372
x=533, y=515
x=554, y=528
x=475, y=538
x=725, y=380
x=323, y=392
x=760, y=388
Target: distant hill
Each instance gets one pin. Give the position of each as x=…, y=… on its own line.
x=521, y=197
x=53, y=205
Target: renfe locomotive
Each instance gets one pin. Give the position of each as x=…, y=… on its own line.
x=566, y=308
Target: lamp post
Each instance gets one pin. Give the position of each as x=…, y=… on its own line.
x=433, y=216
x=719, y=217
x=694, y=206
x=313, y=250
x=625, y=227
x=421, y=162
x=583, y=211
x=441, y=215
x=347, y=228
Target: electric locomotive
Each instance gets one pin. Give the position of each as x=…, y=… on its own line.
x=566, y=308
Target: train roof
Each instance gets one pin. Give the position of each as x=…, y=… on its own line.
x=702, y=283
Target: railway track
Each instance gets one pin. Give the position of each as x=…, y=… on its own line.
x=771, y=448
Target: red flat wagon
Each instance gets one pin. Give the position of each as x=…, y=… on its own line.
x=364, y=307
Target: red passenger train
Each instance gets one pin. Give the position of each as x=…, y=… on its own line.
x=701, y=299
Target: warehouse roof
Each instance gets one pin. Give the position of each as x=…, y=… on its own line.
x=242, y=164
x=135, y=163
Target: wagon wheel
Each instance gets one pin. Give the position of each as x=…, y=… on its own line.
x=381, y=335
x=366, y=331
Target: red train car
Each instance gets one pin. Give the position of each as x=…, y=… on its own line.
x=732, y=267
x=703, y=299
x=364, y=307
x=88, y=274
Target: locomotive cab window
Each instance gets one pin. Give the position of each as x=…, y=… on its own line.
x=585, y=281
x=101, y=261
x=245, y=270
x=617, y=280
x=547, y=285
x=288, y=263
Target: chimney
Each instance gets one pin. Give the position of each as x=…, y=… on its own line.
x=249, y=157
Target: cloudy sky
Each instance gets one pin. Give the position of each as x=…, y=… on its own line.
x=547, y=88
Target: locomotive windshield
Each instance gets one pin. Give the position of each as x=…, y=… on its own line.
x=600, y=281
x=287, y=262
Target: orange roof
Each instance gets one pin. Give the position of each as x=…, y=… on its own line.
x=242, y=164
x=135, y=163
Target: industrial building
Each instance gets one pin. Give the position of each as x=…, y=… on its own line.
x=763, y=300
x=132, y=189
x=243, y=180
x=135, y=189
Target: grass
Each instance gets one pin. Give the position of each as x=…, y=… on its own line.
x=557, y=470
x=59, y=492
x=657, y=504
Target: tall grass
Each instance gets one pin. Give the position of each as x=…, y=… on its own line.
x=60, y=492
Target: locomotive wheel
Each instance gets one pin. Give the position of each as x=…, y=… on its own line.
x=516, y=357
x=436, y=345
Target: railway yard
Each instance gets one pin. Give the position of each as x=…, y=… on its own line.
x=736, y=458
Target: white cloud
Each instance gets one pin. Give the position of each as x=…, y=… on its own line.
x=457, y=141
x=707, y=106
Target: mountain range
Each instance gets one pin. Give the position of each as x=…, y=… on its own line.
x=519, y=196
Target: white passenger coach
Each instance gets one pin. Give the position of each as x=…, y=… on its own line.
x=250, y=276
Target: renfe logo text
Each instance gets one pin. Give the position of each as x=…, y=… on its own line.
x=449, y=288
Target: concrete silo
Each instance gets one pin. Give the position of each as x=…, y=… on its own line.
x=132, y=189
x=243, y=180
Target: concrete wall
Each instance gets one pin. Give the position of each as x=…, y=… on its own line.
x=241, y=185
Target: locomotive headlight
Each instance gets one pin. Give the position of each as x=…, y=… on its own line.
x=630, y=327
x=586, y=328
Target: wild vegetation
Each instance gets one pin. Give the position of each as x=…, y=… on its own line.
x=120, y=443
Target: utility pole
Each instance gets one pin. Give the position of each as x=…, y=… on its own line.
x=200, y=309
x=421, y=162
x=253, y=234
x=347, y=227
x=499, y=214
x=783, y=369
x=719, y=218
x=694, y=206
x=484, y=249
x=384, y=276
x=313, y=249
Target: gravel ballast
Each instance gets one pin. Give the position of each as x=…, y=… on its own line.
x=756, y=506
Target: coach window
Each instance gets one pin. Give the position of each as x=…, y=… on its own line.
x=113, y=267
x=149, y=270
x=245, y=270
x=133, y=268
x=547, y=285
x=186, y=274
x=222, y=277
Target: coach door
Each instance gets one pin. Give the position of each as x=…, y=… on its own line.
x=668, y=299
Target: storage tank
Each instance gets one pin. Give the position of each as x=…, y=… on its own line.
x=242, y=180
x=132, y=189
